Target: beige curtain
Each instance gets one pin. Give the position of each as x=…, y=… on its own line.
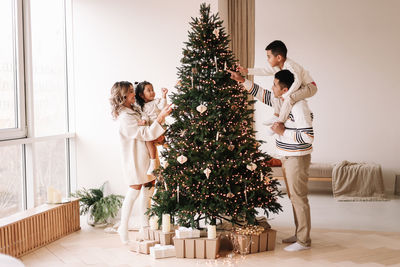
x=238, y=16
x=239, y=21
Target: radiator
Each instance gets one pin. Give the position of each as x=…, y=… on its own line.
x=35, y=228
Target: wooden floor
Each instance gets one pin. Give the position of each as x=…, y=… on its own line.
x=94, y=247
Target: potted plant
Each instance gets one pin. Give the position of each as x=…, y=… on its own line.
x=99, y=208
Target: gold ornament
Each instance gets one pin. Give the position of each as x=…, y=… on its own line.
x=230, y=195
x=231, y=147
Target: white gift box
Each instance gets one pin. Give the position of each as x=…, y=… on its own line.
x=183, y=232
x=159, y=252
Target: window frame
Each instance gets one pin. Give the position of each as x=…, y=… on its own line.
x=20, y=131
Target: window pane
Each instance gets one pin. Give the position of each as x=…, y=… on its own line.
x=49, y=64
x=10, y=180
x=50, y=165
x=7, y=67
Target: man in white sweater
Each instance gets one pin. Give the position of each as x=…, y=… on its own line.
x=294, y=141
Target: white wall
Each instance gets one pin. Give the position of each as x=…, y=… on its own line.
x=120, y=40
x=351, y=49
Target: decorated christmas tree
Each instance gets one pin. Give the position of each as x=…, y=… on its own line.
x=213, y=168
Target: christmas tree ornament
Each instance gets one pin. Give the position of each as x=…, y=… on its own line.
x=216, y=32
x=252, y=166
x=207, y=172
x=245, y=194
x=178, y=83
x=261, y=177
x=201, y=108
x=182, y=159
x=205, y=129
x=182, y=133
x=165, y=164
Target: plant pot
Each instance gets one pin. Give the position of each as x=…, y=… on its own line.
x=91, y=222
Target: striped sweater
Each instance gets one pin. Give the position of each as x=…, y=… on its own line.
x=298, y=136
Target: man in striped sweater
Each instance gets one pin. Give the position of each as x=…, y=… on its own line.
x=294, y=144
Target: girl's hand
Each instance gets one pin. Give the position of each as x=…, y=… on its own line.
x=164, y=113
x=142, y=122
x=164, y=92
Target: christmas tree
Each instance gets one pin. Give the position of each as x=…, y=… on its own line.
x=213, y=168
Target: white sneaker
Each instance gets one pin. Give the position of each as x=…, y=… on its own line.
x=296, y=247
x=291, y=239
x=152, y=166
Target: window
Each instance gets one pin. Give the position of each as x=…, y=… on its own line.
x=34, y=138
x=48, y=66
x=11, y=200
x=12, y=122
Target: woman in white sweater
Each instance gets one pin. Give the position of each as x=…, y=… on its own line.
x=135, y=156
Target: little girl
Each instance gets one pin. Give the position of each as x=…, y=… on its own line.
x=151, y=107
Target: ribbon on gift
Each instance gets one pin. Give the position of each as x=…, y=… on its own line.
x=186, y=232
x=159, y=251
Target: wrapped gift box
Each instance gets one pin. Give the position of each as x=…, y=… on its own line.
x=142, y=246
x=199, y=248
x=184, y=232
x=159, y=251
x=256, y=243
x=165, y=238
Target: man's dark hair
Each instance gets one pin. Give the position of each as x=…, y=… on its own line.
x=277, y=47
x=285, y=77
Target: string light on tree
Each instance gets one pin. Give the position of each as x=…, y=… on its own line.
x=208, y=127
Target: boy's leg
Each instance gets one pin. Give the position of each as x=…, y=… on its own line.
x=277, y=104
x=302, y=93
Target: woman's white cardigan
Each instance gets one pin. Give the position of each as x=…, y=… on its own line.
x=135, y=156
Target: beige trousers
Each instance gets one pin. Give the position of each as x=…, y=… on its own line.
x=283, y=109
x=295, y=172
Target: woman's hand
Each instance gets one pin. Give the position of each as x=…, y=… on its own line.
x=164, y=113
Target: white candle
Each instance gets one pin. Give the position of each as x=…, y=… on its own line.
x=56, y=196
x=211, y=231
x=166, y=223
x=50, y=197
x=154, y=223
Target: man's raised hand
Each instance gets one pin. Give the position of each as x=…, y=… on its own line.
x=236, y=76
